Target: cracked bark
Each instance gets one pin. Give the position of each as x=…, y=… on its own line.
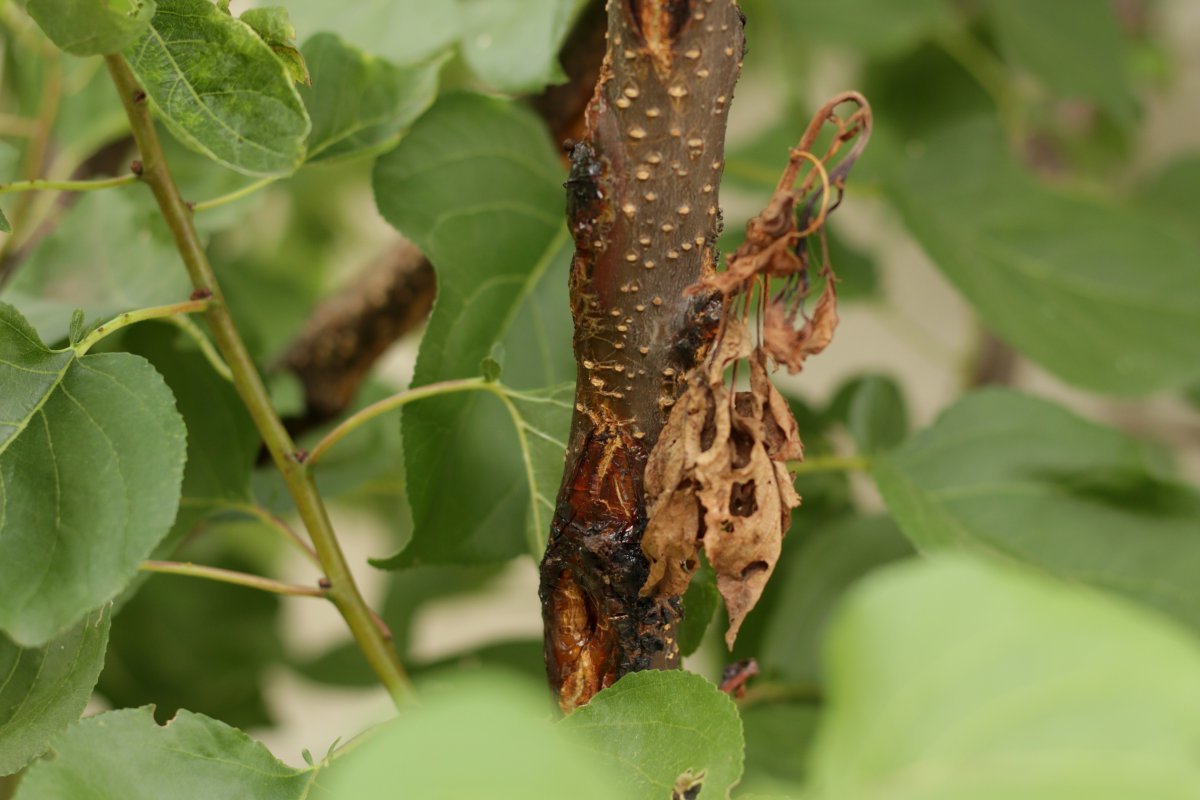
x=643, y=208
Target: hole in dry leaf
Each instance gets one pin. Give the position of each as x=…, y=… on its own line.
x=741, y=500
x=755, y=567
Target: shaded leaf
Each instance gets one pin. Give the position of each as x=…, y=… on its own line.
x=46, y=688
x=1075, y=48
x=218, y=667
x=653, y=727
x=819, y=571
x=478, y=187
x=513, y=44
x=220, y=89
x=484, y=735
x=133, y=268
x=91, y=461
x=1103, y=296
x=874, y=411
x=359, y=103
x=699, y=605
x=1014, y=478
x=778, y=736
x=955, y=679
x=5, y=226
x=89, y=27
x=125, y=754
x=868, y=26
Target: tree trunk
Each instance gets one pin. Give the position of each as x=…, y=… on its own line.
x=642, y=205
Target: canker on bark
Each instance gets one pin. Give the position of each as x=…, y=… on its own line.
x=643, y=208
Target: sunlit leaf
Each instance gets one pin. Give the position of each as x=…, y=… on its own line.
x=126, y=754
x=954, y=679
x=513, y=44
x=220, y=88
x=655, y=728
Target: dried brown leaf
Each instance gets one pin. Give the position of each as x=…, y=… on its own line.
x=790, y=346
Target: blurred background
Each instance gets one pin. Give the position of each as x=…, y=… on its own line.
x=988, y=114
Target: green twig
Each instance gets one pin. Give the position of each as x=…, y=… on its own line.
x=234, y=196
x=44, y=185
x=343, y=590
x=757, y=694
x=229, y=576
x=275, y=523
x=141, y=315
x=362, y=417
x=193, y=332
x=830, y=464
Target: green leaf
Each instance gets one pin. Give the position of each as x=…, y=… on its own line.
x=385, y=28
x=874, y=411
x=220, y=89
x=125, y=754
x=542, y=420
x=655, y=727
x=358, y=103
x=91, y=461
x=274, y=26
x=513, y=45
x=45, y=689
x=478, y=187
x=953, y=679
x=1174, y=194
x=92, y=27
x=700, y=603
x=5, y=226
x=868, y=26
x=100, y=258
x=483, y=735
x=1014, y=478
x=1075, y=48
x=819, y=571
x=1102, y=295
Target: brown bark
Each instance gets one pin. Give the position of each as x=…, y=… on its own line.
x=643, y=208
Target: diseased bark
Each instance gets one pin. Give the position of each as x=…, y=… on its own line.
x=643, y=209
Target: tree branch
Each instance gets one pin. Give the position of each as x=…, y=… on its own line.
x=343, y=590
x=642, y=205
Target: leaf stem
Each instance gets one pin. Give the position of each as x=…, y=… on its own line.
x=45, y=185
x=234, y=196
x=343, y=591
x=229, y=576
x=267, y=518
x=140, y=315
x=758, y=694
x=193, y=332
x=821, y=464
x=362, y=417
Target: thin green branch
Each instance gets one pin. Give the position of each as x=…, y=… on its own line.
x=193, y=332
x=45, y=185
x=140, y=315
x=821, y=464
x=229, y=576
x=360, y=418
x=343, y=590
x=758, y=694
x=234, y=196
x=275, y=523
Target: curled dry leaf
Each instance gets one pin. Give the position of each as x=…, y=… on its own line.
x=717, y=479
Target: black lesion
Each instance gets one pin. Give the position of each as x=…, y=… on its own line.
x=694, y=338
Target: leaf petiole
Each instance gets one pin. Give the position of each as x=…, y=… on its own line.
x=230, y=576
x=234, y=196
x=45, y=185
x=141, y=315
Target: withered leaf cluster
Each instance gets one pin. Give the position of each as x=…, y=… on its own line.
x=717, y=479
